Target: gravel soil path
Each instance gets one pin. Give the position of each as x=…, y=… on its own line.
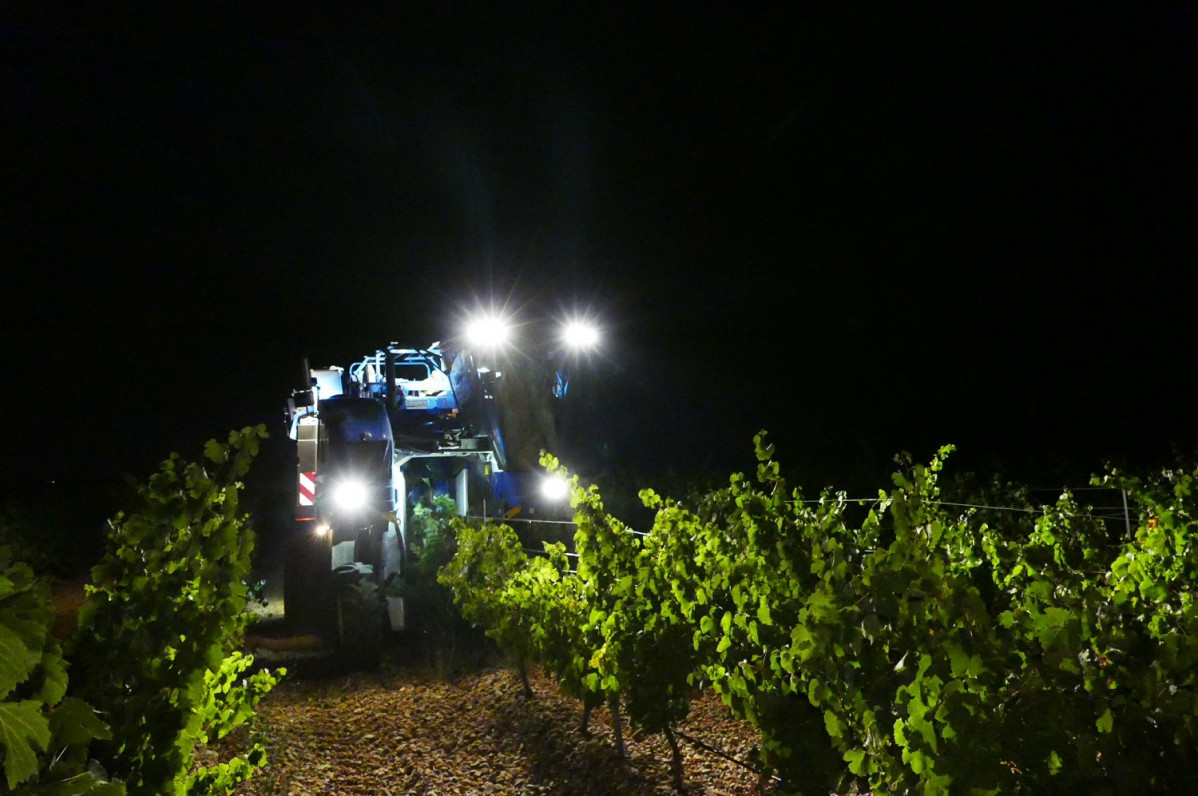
x=399, y=733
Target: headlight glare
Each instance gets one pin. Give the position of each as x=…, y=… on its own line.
x=554, y=488
x=350, y=495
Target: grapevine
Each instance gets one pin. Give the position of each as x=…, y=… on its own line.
x=905, y=643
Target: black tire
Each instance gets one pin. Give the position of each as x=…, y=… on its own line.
x=368, y=546
x=358, y=620
x=309, y=591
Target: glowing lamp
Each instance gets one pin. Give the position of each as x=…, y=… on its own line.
x=489, y=331
x=580, y=335
x=554, y=488
x=350, y=495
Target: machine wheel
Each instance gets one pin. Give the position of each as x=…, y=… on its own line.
x=309, y=596
x=358, y=619
x=368, y=546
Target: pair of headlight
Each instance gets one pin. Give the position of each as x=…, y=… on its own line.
x=352, y=495
x=493, y=331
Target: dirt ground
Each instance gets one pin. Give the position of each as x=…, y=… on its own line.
x=408, y=723
x=399, y=731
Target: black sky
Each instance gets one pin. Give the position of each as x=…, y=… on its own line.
x=867, y=229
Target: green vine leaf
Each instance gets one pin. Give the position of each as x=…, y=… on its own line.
x=17, y=660
x=23, y=731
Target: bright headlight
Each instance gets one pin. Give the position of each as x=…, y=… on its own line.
x=580, y=335
x=554, y=487
x=488, y=331
x=349, y=495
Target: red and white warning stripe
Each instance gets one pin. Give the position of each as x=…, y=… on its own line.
x=307, y=496
x=307, y=489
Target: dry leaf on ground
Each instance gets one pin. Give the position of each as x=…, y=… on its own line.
x=399, y=734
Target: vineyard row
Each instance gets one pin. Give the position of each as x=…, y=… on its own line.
x=900, y=644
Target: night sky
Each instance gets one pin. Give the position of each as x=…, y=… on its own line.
x=866, y=229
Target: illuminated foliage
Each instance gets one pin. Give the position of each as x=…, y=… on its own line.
x=157, y=646
x=895, y=644
x=44, y=734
